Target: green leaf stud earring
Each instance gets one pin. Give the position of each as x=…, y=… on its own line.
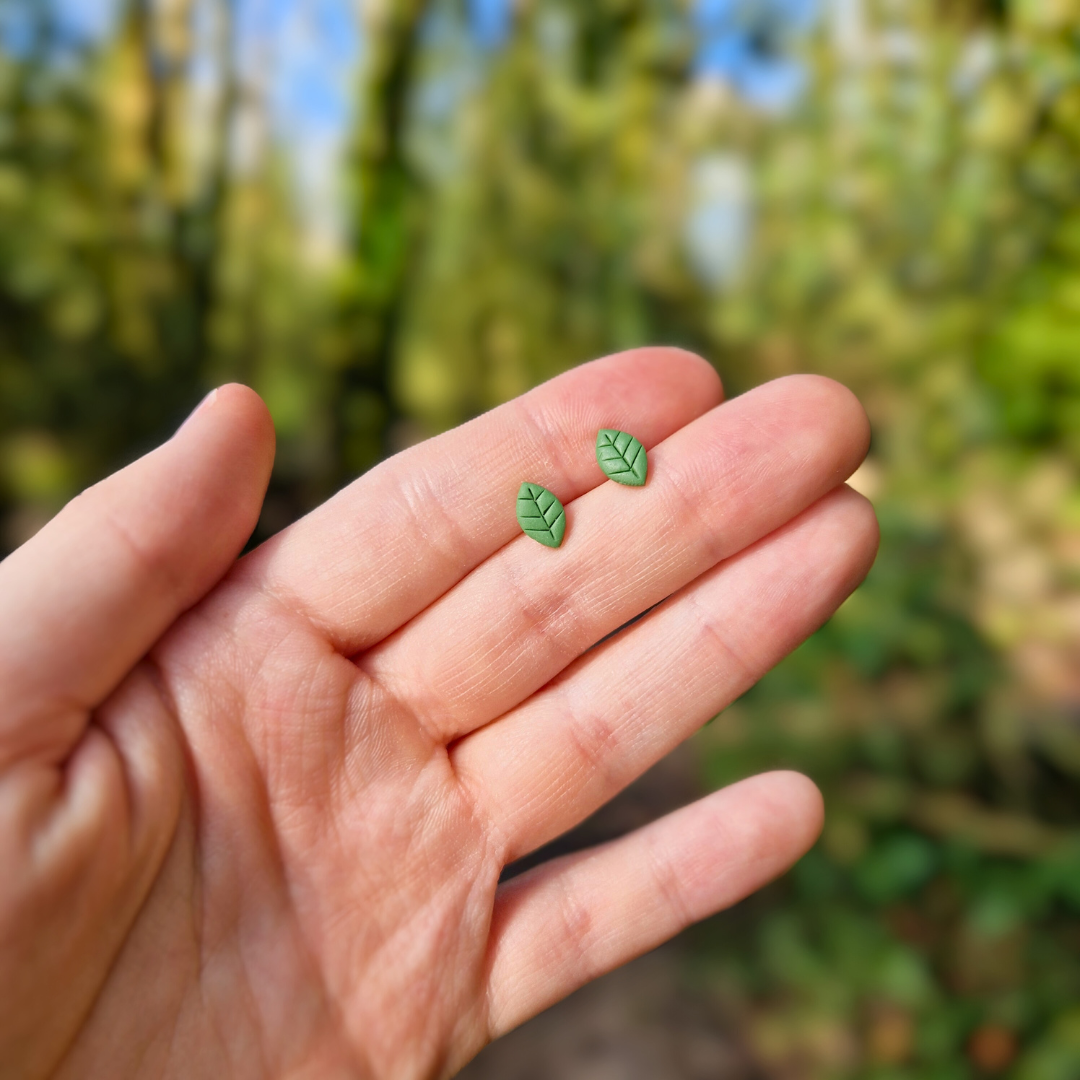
x=541, y=515
x=622, y=457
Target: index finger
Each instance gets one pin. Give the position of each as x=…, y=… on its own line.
x=395, y=540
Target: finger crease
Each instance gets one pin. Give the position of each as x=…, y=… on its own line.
x=667, y=883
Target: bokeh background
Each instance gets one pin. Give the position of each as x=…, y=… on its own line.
x=389, y=215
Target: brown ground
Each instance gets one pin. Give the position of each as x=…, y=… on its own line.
x=643, y=1022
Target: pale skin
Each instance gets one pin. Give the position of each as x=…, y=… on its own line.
x=253, y=812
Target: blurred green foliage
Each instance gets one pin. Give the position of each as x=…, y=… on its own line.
x=911, y=226
x=931, y=176
x=143, y=260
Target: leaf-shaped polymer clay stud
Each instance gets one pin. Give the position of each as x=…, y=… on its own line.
x=621, y=457
x=541, y=515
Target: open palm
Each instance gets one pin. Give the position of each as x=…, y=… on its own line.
x=253, y=814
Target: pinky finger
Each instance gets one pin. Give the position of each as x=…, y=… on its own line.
x=573, y=919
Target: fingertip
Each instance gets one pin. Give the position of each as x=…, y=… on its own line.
x=243, y=410
x=671, y=377
x=798, y=805
x=773, y=818
x=688, y=370
x=856, y=420
x=865, y=529
x=233, y=428
x=831, y=407
x=254, y=425
x=209, y=482
x=831, y=393
x=853, y=528
x=247, y=404
x=692, y=367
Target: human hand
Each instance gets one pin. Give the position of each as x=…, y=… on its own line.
x=253, y=814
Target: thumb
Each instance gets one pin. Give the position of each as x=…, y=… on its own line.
x=87, y=597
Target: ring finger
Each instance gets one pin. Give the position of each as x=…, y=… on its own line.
x=544, y=767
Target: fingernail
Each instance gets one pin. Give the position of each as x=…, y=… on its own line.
x=205, y=403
